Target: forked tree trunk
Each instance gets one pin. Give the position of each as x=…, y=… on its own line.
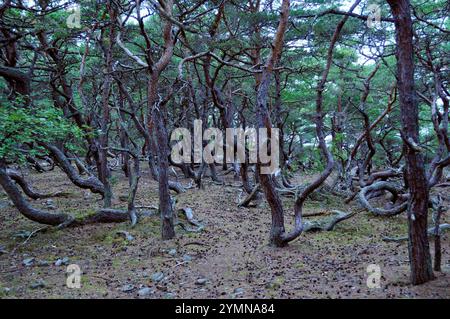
x=419, y=251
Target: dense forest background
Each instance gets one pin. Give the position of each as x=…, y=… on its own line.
x=91, y=92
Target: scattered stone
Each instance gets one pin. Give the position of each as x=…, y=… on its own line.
x=6, y=290
x=38, y=284
x=170, y=295
x=146, y=291
x=127, y=288
x=24, y=234
x=187, y=258
x=43, y=263
x=125, y=234
x=157, y=276
x=201, y=281
x=27, y=262
x=238, y=291
x=61, y=262
x=172, y=252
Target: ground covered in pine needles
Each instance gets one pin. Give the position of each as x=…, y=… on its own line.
x=229, y=258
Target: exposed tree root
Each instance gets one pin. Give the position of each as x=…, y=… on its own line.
x=246, y=201
x=60, y=220
x=177, y=187
x=327, y=223
x=189, y=215
x=104, y=215
x=22, y=205
x=431, y=232
x=228, y=171
x=379, y=186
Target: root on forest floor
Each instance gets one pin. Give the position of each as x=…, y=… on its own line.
x=381, y=186
x=250, y=197
x=327, y=223
x=189, y=215
x=431, y=232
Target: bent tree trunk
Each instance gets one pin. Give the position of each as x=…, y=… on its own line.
x=277, y=231
x=27, y=188
x=22, y=205
x=419, y=250
x=55, y=219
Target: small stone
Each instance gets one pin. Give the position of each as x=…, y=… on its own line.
x=63, y=261
x=125, y=234
x=127, y=288
x=157, y=276
x=38, y=284
x=172, y=252
x=170, y=295
x=43, y=263
x=24, y=234
x=238, y=291
x=187, y=258
x=87, y=195
x=6, y=290
x=201, y=281
x=28, y=261
x=145, y=292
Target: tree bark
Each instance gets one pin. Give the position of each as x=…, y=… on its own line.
x=157, y=126
x=419, y=251
x=22, y=205
x=263, y=118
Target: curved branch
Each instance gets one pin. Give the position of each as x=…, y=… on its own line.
x=92, y=183
x=27, y=188
x=431, y=232
x=362, y=196
x=327, y=223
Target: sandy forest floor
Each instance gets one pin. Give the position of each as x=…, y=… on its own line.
x=229, y=259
